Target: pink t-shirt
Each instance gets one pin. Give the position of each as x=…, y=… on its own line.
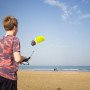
x=8, y=66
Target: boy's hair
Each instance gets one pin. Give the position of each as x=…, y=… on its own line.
x=9, y=22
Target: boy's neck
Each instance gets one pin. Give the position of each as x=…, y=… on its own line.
x=10, y=33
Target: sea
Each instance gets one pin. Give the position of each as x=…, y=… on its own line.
x=51, y=68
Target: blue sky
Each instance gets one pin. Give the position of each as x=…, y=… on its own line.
x=65, y=24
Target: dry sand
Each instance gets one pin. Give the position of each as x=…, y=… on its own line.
x=50, y=80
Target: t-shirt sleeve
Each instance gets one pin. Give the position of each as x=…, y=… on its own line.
x=16, y=45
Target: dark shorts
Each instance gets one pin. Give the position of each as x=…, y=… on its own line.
x=7, y=84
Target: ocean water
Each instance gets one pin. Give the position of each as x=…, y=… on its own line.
x=51, y=68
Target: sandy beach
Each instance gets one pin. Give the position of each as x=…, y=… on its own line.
x=50, y=80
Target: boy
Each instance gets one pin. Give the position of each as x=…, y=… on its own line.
x=9, y=54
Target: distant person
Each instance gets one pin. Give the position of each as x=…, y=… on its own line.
x=10, y=55
x=56, y=69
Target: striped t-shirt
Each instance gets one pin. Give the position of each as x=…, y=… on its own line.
x=8, y=66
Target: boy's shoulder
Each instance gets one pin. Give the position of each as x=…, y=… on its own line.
x=9, y=38
x=12, y=37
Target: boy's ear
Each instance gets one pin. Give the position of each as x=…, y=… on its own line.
x=14, y=27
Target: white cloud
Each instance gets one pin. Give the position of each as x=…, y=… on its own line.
x=84, y=16
x=69, y=13
x=66, y=12
x=75, y=7
x=52, y=2
x=61, y=5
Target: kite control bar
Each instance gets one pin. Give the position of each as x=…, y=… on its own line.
x=26, y=60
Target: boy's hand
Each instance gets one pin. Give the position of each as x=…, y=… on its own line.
x=23, y=58
x=21, y=63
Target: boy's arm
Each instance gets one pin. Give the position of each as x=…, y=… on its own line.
x=16, y=51
x=18, y=58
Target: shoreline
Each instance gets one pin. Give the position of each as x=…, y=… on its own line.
x=52, y=68
x=50, y=80
x=56, y=71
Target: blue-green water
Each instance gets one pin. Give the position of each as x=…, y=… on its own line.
x=51, y=68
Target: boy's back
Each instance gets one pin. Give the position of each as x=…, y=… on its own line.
x=8, y=67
